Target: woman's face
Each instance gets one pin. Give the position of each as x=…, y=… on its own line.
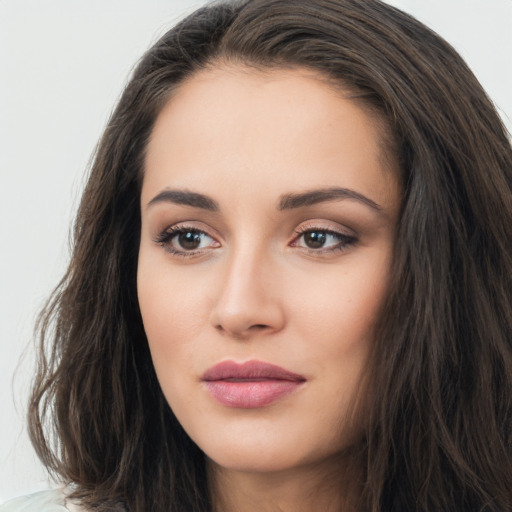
x=268, y=221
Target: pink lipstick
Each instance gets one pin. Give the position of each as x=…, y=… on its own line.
x=250, y=385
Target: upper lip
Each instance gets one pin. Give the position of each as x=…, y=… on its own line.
x=249, y=370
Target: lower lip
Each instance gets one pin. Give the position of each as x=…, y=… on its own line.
x=250, y=394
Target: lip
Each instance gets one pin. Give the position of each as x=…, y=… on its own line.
x=251, y=384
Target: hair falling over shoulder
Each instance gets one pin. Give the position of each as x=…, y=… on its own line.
x=439, y=407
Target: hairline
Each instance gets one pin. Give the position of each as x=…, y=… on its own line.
x=386, y=136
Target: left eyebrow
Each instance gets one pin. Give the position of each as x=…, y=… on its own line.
x=186, y=198
x=311, y=197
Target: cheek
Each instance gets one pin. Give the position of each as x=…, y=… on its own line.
x=168, y=301
x=167, y=314
x=342, y=303
x=168, y=324
x=335, y=326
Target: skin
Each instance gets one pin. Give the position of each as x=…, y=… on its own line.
x=258, y=287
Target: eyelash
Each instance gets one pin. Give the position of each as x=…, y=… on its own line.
x=165, y=238
x=344, y=241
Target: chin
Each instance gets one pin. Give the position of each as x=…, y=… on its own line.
x=256, y=461
x=280, y=453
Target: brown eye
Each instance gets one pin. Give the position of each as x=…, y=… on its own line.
x=185, y=241
x=189, y=240
x=315, y=239
x=323, y=241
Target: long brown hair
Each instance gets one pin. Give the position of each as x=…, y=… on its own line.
x=440, y=413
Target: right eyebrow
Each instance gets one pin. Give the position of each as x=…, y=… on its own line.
x=184, y=197
x=311, y=197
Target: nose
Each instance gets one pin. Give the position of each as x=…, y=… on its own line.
x=249, y=301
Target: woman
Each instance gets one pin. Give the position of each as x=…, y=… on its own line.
x=290, y=285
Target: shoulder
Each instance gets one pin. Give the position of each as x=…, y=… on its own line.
x=45, y=501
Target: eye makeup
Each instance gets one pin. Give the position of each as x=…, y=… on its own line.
x=318, y=240
x=314, y=238
x=184, y=240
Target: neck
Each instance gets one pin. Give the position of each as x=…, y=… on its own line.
x=304, y=489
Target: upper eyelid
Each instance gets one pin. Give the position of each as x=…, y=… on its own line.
x=340, y=246
x=165, y=237
x=301, y=231
x=331, y=232
x=190, y=226
x=301, y=228
x=325, y=226
x=174, y=230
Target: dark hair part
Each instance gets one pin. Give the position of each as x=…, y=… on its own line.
x=440, y=416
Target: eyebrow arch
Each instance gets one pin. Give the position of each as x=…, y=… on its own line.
x=186, y=198
x=311, y=197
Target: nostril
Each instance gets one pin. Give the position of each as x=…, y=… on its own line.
x=259, y=327
x=239, y=332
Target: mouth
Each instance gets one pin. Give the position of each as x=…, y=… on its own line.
x=251, y=384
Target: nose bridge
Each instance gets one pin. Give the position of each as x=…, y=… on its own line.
x=247, y=300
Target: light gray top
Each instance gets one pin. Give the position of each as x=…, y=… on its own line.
x=53, y=500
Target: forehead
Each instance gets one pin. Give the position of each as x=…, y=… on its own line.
x=266, y=130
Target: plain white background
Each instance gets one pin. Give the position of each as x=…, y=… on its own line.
x=62, y=67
